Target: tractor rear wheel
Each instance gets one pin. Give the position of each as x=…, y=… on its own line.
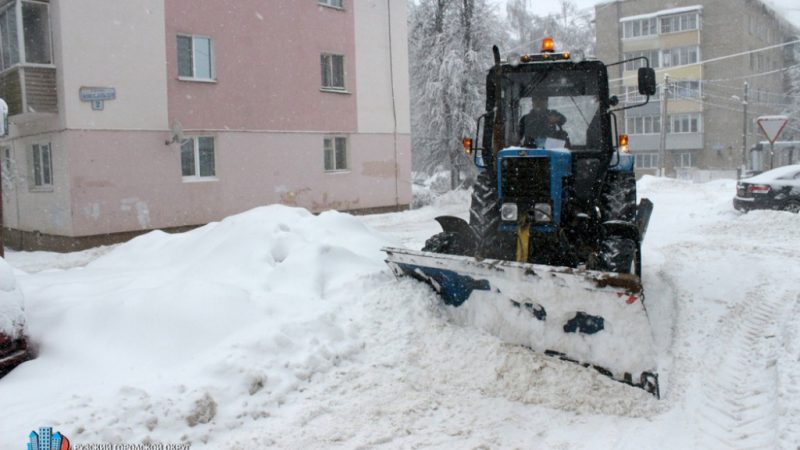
x=484, y=217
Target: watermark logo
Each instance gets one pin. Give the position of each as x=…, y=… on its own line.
x=46, y=440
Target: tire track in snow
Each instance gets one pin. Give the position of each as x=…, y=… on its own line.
x=739, y=396
x=789, y=381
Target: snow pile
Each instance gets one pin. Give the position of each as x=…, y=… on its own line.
x=198, y=331
x=12, y=315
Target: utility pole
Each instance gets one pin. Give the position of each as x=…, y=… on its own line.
x=744, y=129
x=662, y=144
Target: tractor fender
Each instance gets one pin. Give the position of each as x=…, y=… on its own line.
x=465, y=236
x=457, y=226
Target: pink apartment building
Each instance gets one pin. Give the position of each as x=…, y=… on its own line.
x=166, y=114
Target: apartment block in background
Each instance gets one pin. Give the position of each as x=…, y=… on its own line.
x=166, y=114
x=705, y=114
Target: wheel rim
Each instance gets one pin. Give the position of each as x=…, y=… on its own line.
x=793, y=207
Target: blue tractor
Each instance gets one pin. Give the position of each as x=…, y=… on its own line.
x=550, y=257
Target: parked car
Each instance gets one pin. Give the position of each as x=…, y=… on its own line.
x=13, y=343
x=774, y=189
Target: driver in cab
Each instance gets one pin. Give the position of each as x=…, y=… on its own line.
x=541, y=123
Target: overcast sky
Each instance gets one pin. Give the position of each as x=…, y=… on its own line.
x=789, y=8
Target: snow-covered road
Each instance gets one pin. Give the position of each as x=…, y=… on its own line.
x=280, y=329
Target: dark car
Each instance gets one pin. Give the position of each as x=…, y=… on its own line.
x=774, y=189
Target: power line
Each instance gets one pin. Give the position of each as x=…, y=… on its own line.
x=720, y=58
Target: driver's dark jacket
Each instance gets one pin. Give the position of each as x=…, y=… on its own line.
x=536, y=124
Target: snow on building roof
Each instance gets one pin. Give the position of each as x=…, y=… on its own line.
x=663, y=12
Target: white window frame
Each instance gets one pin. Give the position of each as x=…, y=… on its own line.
x=653, y=56
x=196, y=176
x=684, y=123
x=41, y=171
x=683, y=160
x=211, y=58
x=647, y=124
x=329, y=147
x=646, y=160
x=22, y=59
x=634, y=29
x=326, y=63
x=684, y=56
x=686, y=89
x=335, y=4
x=680, y=22
x=8, y=168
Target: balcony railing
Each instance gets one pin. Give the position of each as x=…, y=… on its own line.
x=29, y=89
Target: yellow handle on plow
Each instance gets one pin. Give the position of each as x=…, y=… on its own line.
x=523, y=238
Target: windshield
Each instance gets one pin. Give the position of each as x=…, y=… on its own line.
x=552, y=109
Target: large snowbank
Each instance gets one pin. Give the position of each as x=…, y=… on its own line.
x=217, y=325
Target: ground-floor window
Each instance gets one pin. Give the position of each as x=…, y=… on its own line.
x=335, y=153
x=42, y=165
x=6, y=166
x=646, y=160
x=683, y=160
x=197, y=157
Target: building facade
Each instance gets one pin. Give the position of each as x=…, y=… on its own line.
x=722, y=65
x=164, y=114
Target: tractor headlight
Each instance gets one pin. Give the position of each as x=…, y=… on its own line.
x=508, y=212
x=542, y=212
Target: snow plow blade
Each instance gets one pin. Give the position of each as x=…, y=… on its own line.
x=595, y=319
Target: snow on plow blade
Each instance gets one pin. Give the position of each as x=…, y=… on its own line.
x=592, y=318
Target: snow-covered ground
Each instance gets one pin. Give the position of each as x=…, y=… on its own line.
x=280, y=329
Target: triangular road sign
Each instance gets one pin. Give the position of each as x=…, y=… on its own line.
x=772, y=126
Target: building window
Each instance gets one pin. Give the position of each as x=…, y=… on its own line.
x=646, y=160
x=680, y=56
x=680, y=22
x=643, y=124
x=651, y=55
x=685, y=123
x=42, y=165
x=684, y=89
x=631, y=94
x=7, y=174
x=332, y=71
x=638, y=28
x=35, y=35
x=335, y=153
x=683, y=160
x=197, y=157
x=332, y=3
x=195, y=57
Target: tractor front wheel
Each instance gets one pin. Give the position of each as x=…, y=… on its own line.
x=621, y=255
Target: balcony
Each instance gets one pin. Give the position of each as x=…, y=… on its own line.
x=29, y=89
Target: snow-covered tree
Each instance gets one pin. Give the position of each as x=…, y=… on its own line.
x=571, y=27
x=450, y=51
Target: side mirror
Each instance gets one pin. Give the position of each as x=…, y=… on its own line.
x=3, y=118
x=647, y=81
